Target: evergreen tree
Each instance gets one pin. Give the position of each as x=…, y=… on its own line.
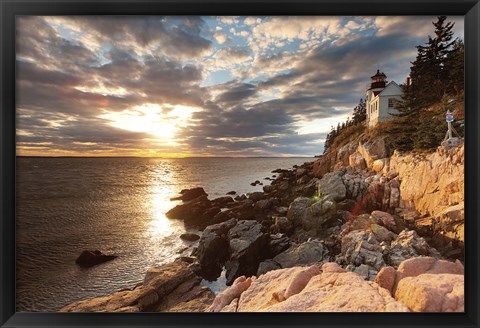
x=430, y=72
x=454, y=66
x=359, y=112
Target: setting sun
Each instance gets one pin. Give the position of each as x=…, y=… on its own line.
x=162, y=122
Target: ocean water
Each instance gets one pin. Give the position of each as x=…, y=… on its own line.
x=116, y=205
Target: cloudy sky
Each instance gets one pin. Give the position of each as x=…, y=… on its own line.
x=200, y=86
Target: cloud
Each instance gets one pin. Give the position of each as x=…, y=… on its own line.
x=277, y=76
x=220, y=37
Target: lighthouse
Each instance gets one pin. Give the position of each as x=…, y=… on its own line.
x=380, y=98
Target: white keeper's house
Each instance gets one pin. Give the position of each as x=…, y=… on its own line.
x=380, y=99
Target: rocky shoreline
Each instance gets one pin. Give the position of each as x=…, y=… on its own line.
x=354, y=224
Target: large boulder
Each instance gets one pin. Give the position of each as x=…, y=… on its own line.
x=318, y=214
x=331, y=186
x=90, y=258
x=371, y=151
x=357, y=162
x=212, y=251
x=190, y=194
x=298, y=209
x=426, y=284
x=193, y=212
x=248, y=245
x=432, y=293
x=307, y=253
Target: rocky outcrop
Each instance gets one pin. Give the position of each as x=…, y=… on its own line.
x=426, y=284
x=88, y=259
x=301, y=289
x=169, y=288
x=431, y=183
x=421, y=284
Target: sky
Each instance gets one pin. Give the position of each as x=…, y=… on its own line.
x=200, y=86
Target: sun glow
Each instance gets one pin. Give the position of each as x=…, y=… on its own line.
x=163, y=122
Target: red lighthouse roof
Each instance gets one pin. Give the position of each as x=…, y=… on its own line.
x=379, y=75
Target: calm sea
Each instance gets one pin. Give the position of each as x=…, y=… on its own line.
x=116, y=205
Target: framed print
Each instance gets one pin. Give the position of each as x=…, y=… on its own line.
x=209, y=163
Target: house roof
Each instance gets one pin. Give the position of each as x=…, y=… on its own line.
x=391, y=83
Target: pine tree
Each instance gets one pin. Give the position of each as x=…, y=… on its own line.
x=359, y=112
x=430, y=72
x=454, y=65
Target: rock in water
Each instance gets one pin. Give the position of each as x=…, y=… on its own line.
x=190, y=194
x=90, y=258
x=189, y=236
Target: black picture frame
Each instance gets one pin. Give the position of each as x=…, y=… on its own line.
x=10, y=8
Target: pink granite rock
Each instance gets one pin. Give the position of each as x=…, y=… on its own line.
x=386, y=278
x=298, y=283
x=334, y=290
x=223, y=299
x=441, y=292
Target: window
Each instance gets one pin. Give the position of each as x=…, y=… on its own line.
x=391, y=102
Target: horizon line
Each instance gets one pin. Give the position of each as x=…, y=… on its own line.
x=40, y=156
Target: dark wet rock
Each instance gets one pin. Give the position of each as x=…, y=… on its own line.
x=318, y=214
x=266, y=204
x=189, y=236
x=90, y=258
x=307, y=253
x=304, y=179
x=243, y=210
x=297, y=211
x=282, y=225
x=191, y=211
x=278, y=243
x=231, y=193
x=267, y=265
x=204, y=220
x=308, y=189
x=283, y=186
x=346, y=205
x=223, y=201
x=256, y=196
x=190, y=194
x=212, y=250
x=268, y=188
x=240, y=198
x=282, y=210
x=248, y=246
